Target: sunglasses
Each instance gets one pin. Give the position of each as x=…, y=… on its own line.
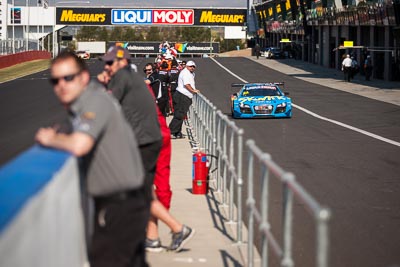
x=66, y=78
x=109, y=63
x=149, y=69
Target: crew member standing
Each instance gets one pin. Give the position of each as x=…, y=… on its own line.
x=183, y=98
x=139, y=109
x=109, y=161
x=346, y=67
x=162, y=94
x=368, y=68
x=173, y=84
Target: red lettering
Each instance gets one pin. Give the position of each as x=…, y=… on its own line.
x=173, y=16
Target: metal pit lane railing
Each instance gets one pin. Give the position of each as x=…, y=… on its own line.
x=223, y=140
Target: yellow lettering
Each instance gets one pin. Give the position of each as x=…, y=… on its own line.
x=239, y=18
x=66, y=15
x=288, y=5
x=278, y=8
x=206, y=16
x=69, y=16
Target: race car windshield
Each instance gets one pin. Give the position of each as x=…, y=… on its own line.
x=261, y=92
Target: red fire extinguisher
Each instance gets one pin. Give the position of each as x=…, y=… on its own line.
x=200, y=173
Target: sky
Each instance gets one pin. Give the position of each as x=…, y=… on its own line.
x=144, y=3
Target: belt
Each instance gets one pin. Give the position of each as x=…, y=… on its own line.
x=120, y=196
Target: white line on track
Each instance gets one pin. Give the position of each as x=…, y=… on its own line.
x=383, y=139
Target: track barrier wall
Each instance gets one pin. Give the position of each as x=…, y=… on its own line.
x=220, y=137
x=41, y=219
x=13, y=59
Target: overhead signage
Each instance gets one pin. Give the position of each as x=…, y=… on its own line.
x=220, y=17
x=154, y=17
x=348, y=44
x=83, y=16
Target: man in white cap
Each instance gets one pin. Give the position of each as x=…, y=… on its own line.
x=183, y=98
x=346, y=67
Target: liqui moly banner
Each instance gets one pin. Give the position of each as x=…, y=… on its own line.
x=154, y=16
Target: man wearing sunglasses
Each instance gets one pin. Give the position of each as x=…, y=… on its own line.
x=183, y=98
x=109, y=161
x=157, y=78
x=139, y=108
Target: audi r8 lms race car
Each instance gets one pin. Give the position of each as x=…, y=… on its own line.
x=260, y=100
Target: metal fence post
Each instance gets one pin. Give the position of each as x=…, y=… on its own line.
x=264, y=210
x=240, y=187
x=250, y=203
x=323, y=238
x=287, y=260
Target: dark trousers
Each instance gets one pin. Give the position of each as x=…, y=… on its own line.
x=347, y=73
x=368, y=73
x=181, y=107
x=149, y=154
x=162, y=104
x=120, y=230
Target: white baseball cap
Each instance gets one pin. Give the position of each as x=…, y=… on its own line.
x=190, y=63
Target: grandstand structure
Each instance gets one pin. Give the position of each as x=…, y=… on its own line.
x=322, y=31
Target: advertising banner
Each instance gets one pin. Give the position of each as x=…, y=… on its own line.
x=83, y=16
x=154, y=17
x=16, y=15
x=138, y=47
x=220, y=17
x=181, y=47
x=151, y=17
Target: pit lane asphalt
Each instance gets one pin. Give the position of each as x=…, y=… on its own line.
x=353, y=174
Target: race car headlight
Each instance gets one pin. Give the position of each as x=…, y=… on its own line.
x=281, y=105
x=244, y=105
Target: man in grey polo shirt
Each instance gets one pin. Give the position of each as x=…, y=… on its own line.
x=110, y=161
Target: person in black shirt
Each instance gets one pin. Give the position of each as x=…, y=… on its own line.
x=173, y=83
x=138, y=106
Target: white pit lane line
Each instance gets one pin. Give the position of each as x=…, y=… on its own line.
x=383, y=139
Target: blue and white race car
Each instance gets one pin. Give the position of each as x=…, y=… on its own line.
x=260, y=100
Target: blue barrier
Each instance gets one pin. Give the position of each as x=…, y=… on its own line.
x=24, y=177
x=41, y=220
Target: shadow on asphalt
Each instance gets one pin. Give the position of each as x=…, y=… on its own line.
x=316, y=71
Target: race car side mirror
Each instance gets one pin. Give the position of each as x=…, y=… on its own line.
x=285, y=93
